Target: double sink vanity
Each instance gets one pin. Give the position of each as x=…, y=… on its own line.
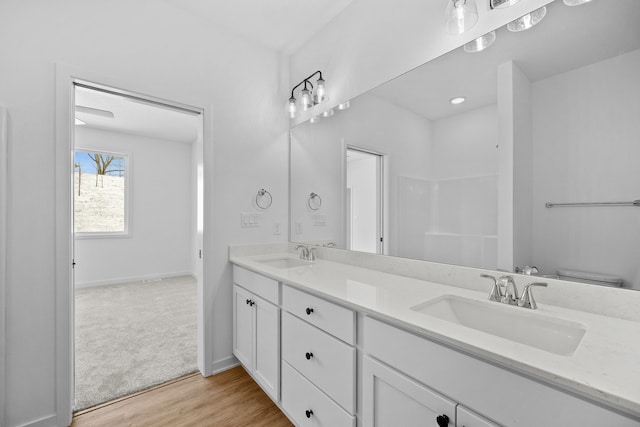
x=358, y=339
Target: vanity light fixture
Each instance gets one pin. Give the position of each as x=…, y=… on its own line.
x=457, y=100
x=481, y=43
x=575, y=2
x=527, y=21
x=461, y=15
x=308, y=96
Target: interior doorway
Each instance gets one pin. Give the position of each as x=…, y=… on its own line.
x=137, y=240
x=364, y=225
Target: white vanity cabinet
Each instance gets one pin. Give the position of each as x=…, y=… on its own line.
x=256, y=328
x=412, y=369
x=318, y=361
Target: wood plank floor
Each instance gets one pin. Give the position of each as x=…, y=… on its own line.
x=230, y=398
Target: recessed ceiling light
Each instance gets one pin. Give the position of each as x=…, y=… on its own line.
x=457, y=100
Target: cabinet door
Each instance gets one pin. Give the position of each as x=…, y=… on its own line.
x=468, y=418
x=267, y=354
x=243, y=333
x=393, y=399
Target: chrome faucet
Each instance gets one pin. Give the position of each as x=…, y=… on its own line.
x=306, y=253
x=510, y=291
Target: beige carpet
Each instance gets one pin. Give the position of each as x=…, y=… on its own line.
x=133, y=336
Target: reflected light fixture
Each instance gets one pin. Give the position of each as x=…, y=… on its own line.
x=309, y=96
x=461, y=15
x=481, y=43
x=314, y=119
x=499, y=4
x=457, y=100
x=527, y=21
x=328, y=113
x=575, y=2
x=343, y=106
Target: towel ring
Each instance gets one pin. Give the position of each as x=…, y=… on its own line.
x=314, y=202
x=263, y=199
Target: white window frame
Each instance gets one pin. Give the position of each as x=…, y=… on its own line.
x=127, y=198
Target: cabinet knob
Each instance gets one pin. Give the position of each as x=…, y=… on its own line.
x=248, y=301
x=442, y=420
x=252, y=303
x=309, y=310
x=308, y=356
x=308, y=413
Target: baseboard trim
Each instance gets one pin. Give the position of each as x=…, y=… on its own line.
x=48, y=421
x=80, y=285
x=224, y=364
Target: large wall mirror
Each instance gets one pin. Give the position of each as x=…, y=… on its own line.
x=551, y=115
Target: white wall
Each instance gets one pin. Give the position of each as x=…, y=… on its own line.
x=152, y=48
x=586, y=130
x=373, y=124
x=161, y=212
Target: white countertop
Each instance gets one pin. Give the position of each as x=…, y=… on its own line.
x=604, y=367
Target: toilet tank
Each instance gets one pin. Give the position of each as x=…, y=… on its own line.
x=588, y=277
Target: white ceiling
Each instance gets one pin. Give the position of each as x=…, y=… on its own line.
x=283, y=25
x=568, y=38
x=134, y=117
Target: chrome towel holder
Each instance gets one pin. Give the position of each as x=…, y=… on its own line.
x=314, y=202
x=632, y=203
x=263, y=199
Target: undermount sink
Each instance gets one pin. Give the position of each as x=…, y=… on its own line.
x=285, y=262
x=512, y=323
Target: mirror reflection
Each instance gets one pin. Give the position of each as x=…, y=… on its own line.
x=549, y=115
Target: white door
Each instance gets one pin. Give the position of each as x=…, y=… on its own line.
x=393, y=399
x=267, y=353
x=243, y=322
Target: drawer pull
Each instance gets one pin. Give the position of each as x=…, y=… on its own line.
x=309, y=310
x=308, y=356
x=251, y=303
x=308, y=412
x=442, y=420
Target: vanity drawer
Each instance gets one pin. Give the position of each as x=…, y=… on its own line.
x=325, y=361
x=300, y=396
x=336, y=320
x=257, y=284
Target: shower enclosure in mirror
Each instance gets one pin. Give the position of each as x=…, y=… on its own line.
x=551, y=114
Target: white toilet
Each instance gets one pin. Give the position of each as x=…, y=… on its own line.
x=592, y=278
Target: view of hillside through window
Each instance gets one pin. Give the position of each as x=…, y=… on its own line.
x=99, y=192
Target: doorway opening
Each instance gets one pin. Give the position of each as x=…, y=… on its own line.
x=364, y=204
x=137, y=240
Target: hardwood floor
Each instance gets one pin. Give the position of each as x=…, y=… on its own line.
x=230, y=398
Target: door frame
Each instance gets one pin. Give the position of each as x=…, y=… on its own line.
x=4, y=188
x=66, y=78
x=381, y=187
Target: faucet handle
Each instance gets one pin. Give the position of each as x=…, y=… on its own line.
x=527, y=300
x=312, y=254
x=496, y=289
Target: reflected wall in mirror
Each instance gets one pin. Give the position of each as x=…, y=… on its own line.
x=551, y=115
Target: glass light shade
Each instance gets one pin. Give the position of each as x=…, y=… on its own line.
x=461, y=15
x=575, y=2
x=328, y=113
x=305, y=98
x=527, y=21
x=320, y=94
x=481, y=43
x=292, y=108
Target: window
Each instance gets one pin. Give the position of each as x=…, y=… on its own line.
x=101, y=193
